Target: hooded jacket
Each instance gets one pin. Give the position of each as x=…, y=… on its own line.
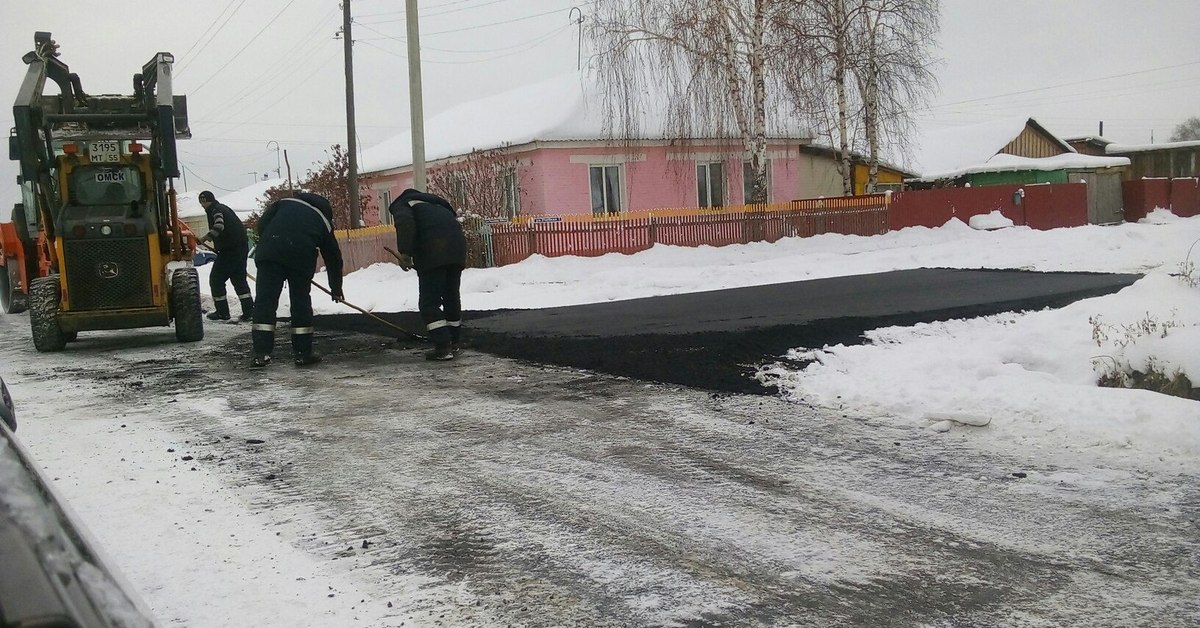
x=291, y=232
x=427, y=229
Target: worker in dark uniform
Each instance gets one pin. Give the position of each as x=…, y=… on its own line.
x=227, y=236
x=291, y=231
x=430, y=238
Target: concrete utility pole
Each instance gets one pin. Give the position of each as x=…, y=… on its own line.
x=416, y=108
x=351, y=133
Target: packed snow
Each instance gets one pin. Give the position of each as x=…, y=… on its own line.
x=1033, y=374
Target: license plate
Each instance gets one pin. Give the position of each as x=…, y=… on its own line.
x=105, y=152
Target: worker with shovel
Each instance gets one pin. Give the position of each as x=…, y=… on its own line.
x=291, y=232
x=227, y=236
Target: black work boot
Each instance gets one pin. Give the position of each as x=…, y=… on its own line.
x=455, y=337
x=440, y=352
x=441, y=337
x=307, y=359
x=247, y=309
x=260, y=361
x=221, y=311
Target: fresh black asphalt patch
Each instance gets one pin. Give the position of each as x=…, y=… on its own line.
x=715, y=340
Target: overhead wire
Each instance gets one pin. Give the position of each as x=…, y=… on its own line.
x=237, y=54
x=186, y=63
x=192, y=171
x=478, y=51
x=186, y=55
x=425, y=15
x=294, y=87
x=526, y=46
x=261, y=83
x=1070, y=83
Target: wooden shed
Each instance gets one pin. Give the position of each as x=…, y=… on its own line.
x=1169, y=160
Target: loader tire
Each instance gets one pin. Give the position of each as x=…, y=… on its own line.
x=185, y=305
x=43, y=314
x=13, y=300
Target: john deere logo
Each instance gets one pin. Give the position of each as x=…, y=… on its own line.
x=108, y=270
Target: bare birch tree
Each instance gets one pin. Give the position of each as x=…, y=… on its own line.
x=711, y=68
x=824, y=28
x=891, y=60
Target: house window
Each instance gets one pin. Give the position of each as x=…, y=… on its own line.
x=385, y=201
x=512, y=193
x=881, y=188
x=605, y=184
x=710, y=184
x=748, y=181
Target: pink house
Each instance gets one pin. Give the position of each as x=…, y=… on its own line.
x=561, y=161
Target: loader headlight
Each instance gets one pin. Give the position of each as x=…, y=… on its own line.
x=106, y=230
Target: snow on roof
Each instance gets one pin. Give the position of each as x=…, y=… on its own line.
x=243, y=202
x=564, y=107
x=961, y=147
x=1004, y=162
x=1120, y=149
x=1088, y=138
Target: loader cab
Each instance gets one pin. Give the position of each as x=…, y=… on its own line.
x=108, y=226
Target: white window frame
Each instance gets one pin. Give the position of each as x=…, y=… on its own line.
x=746, y=181
x=608, y=199
x=705, y=198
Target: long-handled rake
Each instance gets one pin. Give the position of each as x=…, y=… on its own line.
x=413, y=335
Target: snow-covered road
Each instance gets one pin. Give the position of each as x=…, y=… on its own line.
x=382, y=490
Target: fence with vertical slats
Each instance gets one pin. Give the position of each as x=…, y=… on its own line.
x=590, y=236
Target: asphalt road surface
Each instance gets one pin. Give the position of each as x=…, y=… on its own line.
x=513, y=493
x=714, y=340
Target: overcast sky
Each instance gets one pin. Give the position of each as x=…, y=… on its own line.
x=257, y=71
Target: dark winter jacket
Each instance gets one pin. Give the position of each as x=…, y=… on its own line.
x=427, y=228
x=229, y=234
x=291, y=232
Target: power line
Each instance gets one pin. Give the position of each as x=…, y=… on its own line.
x=253, y=39
x=479, y=51
x=424, y=15
x=478, y=26
x=271, y=74
x=527, y=46
x=187, y=62
x=296, y=86
x=206, y=181
x=1071, y=83
x=208, y=28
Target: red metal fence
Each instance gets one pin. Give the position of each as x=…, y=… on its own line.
x=592, y=236
x=1038, y=206
x=1142, y=196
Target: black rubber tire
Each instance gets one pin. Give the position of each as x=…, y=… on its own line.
x=185, y=305
x=12, y=300
x=71, y=336
x=43, y=315
x=5, y=291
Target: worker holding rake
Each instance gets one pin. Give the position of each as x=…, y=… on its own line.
x=291, y=232
x=430, y=239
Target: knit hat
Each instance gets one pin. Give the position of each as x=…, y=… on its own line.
x=207, y=196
